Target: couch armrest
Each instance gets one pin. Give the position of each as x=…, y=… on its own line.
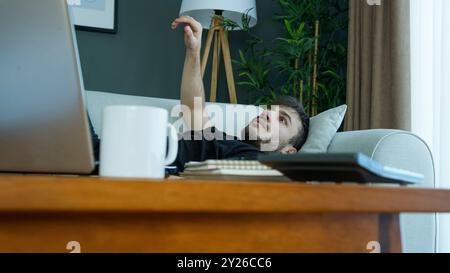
x=403, y=150
x=393, y=148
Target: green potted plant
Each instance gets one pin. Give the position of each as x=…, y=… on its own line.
x=310, y=59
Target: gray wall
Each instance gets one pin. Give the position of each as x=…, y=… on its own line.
x=146, y=57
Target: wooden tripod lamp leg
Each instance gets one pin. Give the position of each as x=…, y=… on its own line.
x=228, y=66
x=207, y=50
x=219, y=52
x=215, y=67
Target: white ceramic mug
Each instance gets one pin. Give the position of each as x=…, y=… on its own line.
x=134, y=142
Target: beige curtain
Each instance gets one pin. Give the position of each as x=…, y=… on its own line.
x=378, y=87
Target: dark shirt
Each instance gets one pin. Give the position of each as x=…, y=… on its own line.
x=212, y=144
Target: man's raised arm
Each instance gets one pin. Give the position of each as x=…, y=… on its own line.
x=192, y=89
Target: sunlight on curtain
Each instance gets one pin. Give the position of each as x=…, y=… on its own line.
x=430, y=25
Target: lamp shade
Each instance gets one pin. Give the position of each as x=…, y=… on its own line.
x=204, y=10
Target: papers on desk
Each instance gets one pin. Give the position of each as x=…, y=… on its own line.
x=231, y=170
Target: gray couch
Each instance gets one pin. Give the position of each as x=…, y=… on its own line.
x=389, y=147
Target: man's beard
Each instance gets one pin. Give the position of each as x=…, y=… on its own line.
x=258, y=143
x=252, y=140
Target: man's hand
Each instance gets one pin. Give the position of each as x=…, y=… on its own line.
x=192, y=32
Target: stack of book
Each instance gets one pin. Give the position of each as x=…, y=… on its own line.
x=231, y=170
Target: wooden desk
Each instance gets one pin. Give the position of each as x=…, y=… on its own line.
x=44, y=213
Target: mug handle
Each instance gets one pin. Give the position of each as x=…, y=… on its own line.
x=173, y=145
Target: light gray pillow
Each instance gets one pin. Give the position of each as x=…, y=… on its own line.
x=322, y=129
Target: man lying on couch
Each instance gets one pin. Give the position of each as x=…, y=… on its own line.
x=283, y=128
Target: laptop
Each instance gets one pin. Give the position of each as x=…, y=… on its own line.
x=44, y=126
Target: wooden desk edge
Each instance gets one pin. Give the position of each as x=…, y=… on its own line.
x=70, y=194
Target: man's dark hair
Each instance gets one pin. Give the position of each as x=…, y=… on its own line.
x=287, y=101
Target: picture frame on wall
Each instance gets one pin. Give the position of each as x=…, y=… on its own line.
x=95, y=15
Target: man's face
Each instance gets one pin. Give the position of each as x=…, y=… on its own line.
x=273, y=130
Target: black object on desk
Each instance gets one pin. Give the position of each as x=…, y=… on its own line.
x=357, y=168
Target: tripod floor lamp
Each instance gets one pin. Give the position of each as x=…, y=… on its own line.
x=210, y=14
